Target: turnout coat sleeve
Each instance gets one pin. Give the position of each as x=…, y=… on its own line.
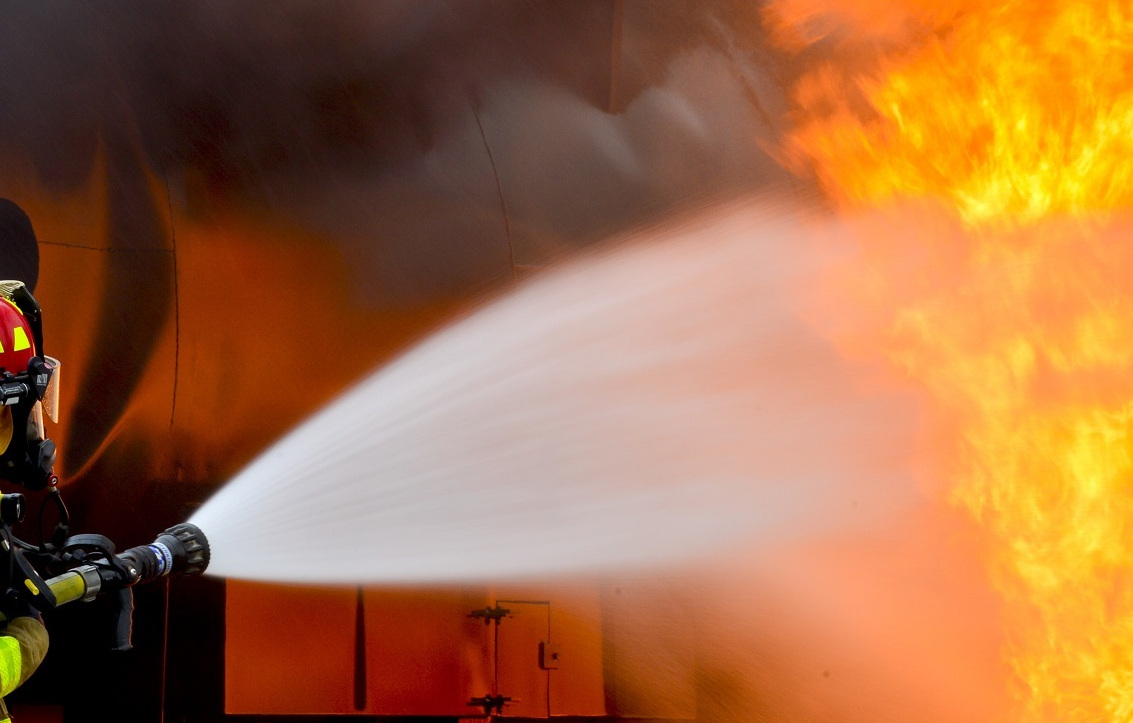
x=23, y=643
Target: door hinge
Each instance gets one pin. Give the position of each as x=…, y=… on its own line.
x=491, y=614
x=491, y=702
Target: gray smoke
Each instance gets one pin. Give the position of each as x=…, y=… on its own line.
x=438, y=143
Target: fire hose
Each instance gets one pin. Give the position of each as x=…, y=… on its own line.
x=86, y=567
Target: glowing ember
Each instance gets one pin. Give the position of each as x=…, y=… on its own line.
x=1019, y=320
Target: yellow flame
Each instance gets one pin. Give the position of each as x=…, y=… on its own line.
x=1016, y=116
x=1044, y=420
x=1014, y=111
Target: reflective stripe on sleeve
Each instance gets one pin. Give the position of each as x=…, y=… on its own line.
x=10, y=665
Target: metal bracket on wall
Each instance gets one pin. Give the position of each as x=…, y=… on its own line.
x=491, y=703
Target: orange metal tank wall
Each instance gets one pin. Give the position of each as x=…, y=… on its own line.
x=620, y=649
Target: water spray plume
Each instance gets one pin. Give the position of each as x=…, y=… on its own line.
x=1012, y=306
x=647, y=404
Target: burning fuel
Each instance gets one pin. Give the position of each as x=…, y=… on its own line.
x=1012, y=306
x=1004, y=112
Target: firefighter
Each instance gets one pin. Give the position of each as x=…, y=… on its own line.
x=26, y=458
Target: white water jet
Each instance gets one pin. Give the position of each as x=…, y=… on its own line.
x=654, y=402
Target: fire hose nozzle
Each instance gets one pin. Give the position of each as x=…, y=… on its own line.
x=181, y=550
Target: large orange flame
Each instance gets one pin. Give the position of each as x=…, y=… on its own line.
x=1017, y=315
x=1014, y=111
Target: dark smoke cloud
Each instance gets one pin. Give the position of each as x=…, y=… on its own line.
x=398, y=125
x=440, y=148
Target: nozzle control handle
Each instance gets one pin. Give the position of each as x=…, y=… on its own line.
x=124, y=620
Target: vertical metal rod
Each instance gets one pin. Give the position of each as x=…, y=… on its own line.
x=360, y=652
x=164, y=649
x=549, y=642
x=496, y=653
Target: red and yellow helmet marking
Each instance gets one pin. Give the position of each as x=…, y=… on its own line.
x=16, y=347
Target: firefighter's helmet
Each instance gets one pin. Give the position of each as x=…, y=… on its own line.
x=17, y=343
